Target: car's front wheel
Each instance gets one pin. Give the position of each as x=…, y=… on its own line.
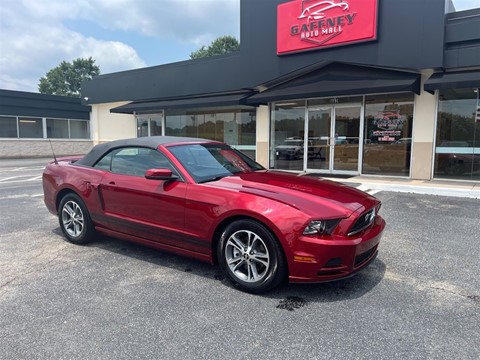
x=251, y=257
x=75, y=220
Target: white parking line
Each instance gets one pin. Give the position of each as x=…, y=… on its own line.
x=30, y=168
x=37, y=178
x=9, y=178
x=19, y=196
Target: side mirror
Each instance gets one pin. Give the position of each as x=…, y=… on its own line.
x=160, y=174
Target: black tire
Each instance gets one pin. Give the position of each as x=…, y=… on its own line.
x=75, y=220
x=250, y=257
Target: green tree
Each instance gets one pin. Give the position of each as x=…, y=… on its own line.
x=66, y=79
x=219, y=46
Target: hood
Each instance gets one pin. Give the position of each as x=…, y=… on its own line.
x=312, y=195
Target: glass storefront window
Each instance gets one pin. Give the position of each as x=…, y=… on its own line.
x=8, y=127
x=288, y=129
x=149, y=125
x=31, y=128
x=57, y=129
x=236, y=127
x=156, y=126
x=388, y=134
x=457, y=151
x=79, y=129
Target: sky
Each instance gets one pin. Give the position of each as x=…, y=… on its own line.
x=37, y=35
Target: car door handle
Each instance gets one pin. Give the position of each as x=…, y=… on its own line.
x=111, y=183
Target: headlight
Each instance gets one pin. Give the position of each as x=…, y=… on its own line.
x=320, y=227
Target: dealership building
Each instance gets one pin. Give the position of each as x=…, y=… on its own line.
x=352, y=87
x=33, y=124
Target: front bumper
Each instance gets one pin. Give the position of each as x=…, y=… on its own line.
x=322, y=260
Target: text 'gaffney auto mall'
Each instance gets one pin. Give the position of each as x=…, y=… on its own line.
x=353, y=87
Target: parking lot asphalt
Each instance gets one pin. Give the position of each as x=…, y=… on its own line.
x=419, y=299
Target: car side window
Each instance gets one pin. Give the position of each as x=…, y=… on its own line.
x=134, y=161
x=105, y=163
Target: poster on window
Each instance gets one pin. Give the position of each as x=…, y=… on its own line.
x=388, y=126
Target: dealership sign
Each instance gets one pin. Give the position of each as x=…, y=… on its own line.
x=313, y=24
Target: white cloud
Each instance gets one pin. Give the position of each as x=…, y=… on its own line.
x=28, y=55
x=190, y=21
x=466, y=4
x=34, y=35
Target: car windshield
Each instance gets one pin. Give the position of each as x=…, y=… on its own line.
x=210, y=162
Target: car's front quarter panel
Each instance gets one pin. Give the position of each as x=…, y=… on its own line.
x=208, y=207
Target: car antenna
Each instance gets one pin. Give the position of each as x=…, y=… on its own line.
x=53, y=152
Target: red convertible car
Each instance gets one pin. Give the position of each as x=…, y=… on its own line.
x=203, y=199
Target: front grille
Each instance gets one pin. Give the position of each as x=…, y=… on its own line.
x=359, y=259
x=363, y=222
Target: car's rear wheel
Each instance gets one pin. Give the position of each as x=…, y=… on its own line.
x=251, y=257
x=75, y=220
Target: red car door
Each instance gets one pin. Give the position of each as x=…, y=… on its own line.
x=149, y=209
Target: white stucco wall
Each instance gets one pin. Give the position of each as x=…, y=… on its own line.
x=263, y=131
x=107, y=126
x=423, y=133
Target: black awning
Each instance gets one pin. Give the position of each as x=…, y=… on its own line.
x=341, y=79
x=204, y=102
x=453, y=80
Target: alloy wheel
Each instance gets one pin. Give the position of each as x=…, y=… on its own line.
x=72, y=219
x=247, y=256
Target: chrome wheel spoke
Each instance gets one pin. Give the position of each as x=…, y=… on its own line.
x=235, y=260
x=261, y=258
x=253, y=273
x=236, y=243
x=68, y=209
x=239, y=265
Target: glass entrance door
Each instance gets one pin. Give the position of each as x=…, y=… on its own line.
x=334, y=139
x=347, y=136
x=319, y=133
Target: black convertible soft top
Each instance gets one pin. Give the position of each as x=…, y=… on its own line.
x=152, y=142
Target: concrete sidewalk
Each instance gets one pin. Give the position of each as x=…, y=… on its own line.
x=470, y=189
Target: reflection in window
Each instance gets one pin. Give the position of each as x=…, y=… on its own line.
x=388, y=134
x=287, y=128
x=57, y=129
x=30, y=128
x=149, y=125
x=79, y=129
x=134, y=161
x=8, y=127
x=457, y=151
x=235, y=127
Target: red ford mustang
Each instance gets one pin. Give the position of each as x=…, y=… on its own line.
x=203, y=199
